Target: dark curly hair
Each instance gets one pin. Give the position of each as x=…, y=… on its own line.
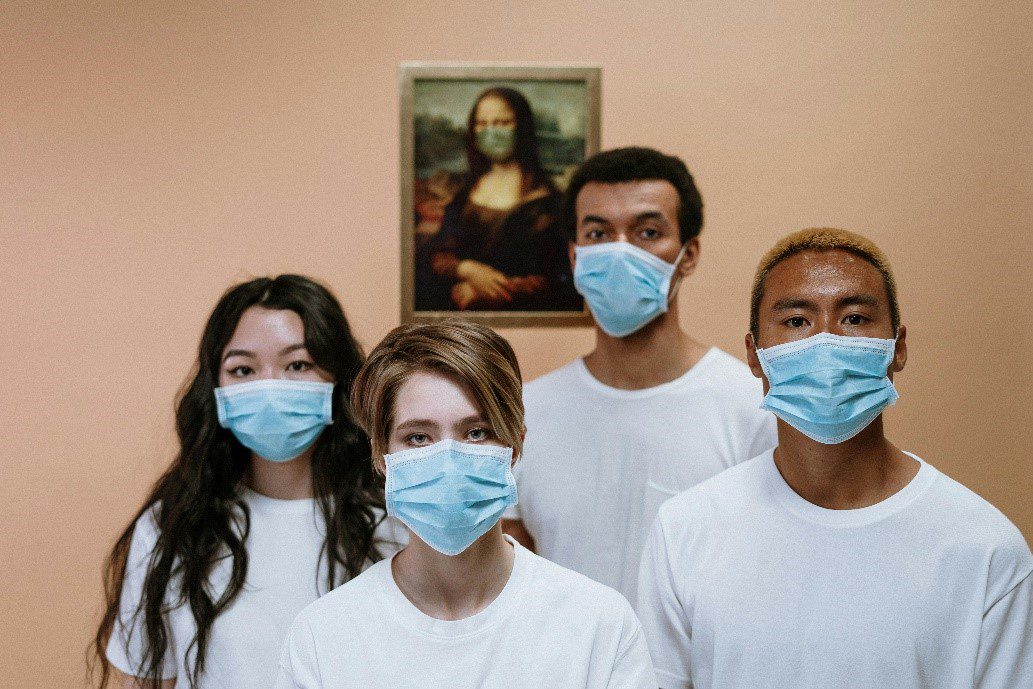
x=635, y=164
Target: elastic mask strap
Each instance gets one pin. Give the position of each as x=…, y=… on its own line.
x=671, y=289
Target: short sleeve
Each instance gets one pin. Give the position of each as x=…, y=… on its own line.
x=128, y=642
x=632, y=668
x=664, y=622
x=299, y=668
x=1005, y=656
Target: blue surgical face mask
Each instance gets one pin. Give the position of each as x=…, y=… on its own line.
x=450, y=493
x=829, y=387
x=276, y=419
x=625, y=286
x=497, y=142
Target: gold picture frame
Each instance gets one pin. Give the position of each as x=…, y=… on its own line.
x=444, y=108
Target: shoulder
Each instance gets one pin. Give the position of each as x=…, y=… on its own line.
x=557, y=588
x=980, y=529
x=975, y=517
x=334, y=609
x=728, y=377
x=719, y=499
x=560, y=382
x=146, y=530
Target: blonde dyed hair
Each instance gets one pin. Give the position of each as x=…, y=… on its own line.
x=469, y=353
x=822, y=239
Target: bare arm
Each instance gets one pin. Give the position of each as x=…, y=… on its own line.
x=516, y=529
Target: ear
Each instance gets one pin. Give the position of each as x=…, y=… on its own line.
x=689, y=258
x=570, y=254
x=752, y=359
x=899, y=353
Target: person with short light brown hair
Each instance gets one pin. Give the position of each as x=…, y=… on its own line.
x=462, y=606
x=479, y=356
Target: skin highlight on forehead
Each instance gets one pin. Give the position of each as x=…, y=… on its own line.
x=828, y=274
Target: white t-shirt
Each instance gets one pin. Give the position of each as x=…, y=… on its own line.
x=598, y=461
x=549, y=627
x=283, y=548
x=746, y=584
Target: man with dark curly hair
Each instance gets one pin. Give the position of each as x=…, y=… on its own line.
x=651, y=411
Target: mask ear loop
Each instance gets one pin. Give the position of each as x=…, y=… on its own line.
x=672, y=289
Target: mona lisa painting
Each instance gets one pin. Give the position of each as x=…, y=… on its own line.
x=486, y=153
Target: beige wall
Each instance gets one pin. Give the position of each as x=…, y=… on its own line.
x=153, y=153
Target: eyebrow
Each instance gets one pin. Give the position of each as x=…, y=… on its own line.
x=429, y=423
x=416, y=423
x=798, y=303
x=251, y=355
x=647, y=215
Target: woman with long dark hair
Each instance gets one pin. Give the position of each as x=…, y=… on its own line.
x=270, y=502
x=501, y=245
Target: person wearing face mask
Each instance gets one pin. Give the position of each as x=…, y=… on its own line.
x=651, y=411
x=500, y=245
x=836, y=560
x=462, y=606
x=269, y=502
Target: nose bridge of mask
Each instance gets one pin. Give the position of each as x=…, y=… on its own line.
x=826, y=352
x=274, y=397
x=451, y=478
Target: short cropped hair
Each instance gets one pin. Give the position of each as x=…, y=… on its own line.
x=637, y=164
x=822, y=239
x=469, y=353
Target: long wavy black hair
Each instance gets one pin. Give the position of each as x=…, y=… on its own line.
x=525, y=149
x=198, y=510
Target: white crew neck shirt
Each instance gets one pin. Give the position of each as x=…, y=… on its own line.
x=598, y=461
x=285, y=573
x=746, y=584
x=549, y=627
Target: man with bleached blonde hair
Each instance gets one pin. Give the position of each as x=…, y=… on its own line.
x=836, y=560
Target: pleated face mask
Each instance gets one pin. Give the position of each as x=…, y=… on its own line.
x=829, y=387
x=625, y=286
x=450, y=493
x=276, y=419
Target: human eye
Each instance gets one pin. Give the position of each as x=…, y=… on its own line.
x=796, y=321
x=417, y=439
x=478, y=434
x=856, y=319
x=240, y=371
x=300, y=366
x=594, y=234
x=650, y=233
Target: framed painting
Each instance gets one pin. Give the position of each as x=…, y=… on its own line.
x=486, y=154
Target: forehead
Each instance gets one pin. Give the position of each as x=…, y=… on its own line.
x=433, y=395
x=260, y=328
x=493, y=106
x=623, y=200
x=831, y=273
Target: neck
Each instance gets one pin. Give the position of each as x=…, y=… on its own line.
x=456, y=587
x=657, y=353
x=856, y=473
x=282, y=480
x=508, y=166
